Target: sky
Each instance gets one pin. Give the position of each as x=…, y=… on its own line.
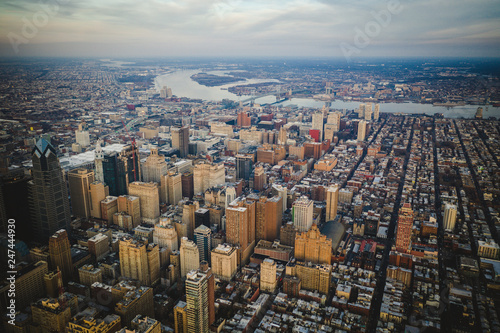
x=238, y=28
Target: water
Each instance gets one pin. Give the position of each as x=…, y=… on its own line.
x=183, y=86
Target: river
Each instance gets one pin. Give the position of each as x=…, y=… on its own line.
x=182, y=86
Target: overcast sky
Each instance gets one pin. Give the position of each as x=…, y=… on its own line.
x=121, y=28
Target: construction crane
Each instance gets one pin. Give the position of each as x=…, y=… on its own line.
x=133, y=150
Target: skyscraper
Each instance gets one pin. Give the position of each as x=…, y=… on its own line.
x=197, y=302
x=203, y=239
x=131, y=206
x=405, y=225
x=139, y=260
x=121, y=169
x=224, y=261
x=450, y=216
x=99, y=157
x=49, y=202
x=79, y=188
x=281, y=191
x=190, y=256
x=187, y=185
x=180, y=317
x=180, y=140
x=244, y=166
x=165, y=235
x=368, y=111
x=149, y=200
x=361, y=130
x=205, y=269
x=171, y=188
x=268, y=217
x=82, y=136
x=313, y=246
x=60, y=254
x=259, y=178
x=98, y=192
x=376, y=112
x=154, y=167
x=302, y=213
x=317, y=123
x=207, y=175
x=237, y=226
x=268, y=275
x=332, y=201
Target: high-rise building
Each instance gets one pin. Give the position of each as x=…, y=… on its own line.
x=361, y=130
x=368, y=112
x=87, y=323
x=164, y=235
x=244, y=119
x=180, y=140
x=29, y=283
x=282, y=136
x=187, y=185
x=345, y=195
x=405, y=226
x=224, y=261
x=271, y=154
x=203, y=239
x=197, y=302
x=205, y=269
x=244, y=165
x=268, y=217
x=149, y=195
x=154, y=167
x=313, y=277
x=109, y=206
x=180, y=317
x=49, y=202
x=312, y=246
x=188, y=216
x=50, y=315
x=317, y=123
x=82, y=136
x=259, y=178
x=189, y=255
x=99, y=157
x=361, y=111
x=202, y=217
x=135, y=301
x=60, y=254
x=376, y=111
x=302, y=213
x=237, y=225
x=89, y=274
x=450, y=216
x=131, y=206
x=79, y=188
x=281, y=191
x=139, y=260
x=171, y=188
x=332, y=201
x=268, y=280
x=206, y=175
x=121, y=169
x=98, y=192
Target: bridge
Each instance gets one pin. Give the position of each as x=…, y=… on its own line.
x=278, y=95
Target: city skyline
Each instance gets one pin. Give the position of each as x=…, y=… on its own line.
x=250, y=28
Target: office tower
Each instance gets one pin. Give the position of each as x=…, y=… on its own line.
x=268, y=215
x=244, y=166
x=188, y=216
x=97, y=192
x=154, y=167
x=164, y=235
x=259, y=178
x=180, y=140
x=109, y=206
x=405, y=225
x=205, y=269
x=171, y=188
x=450, y=216
x=203, y=239
x=121, y=169
x=49, y=202
x=189, y=255
x=79, y=188
x=224, y=261
x=60, y=254
x=149, y=196
x=139, y=260
x=368, y=112
x=317, y=123
x=89, y=274
x=302, y=213
x=197, y=302
x=281, y=191
x=237, y=225
x=268, y=275
x=53, y=283
x=313, y=246
x=361, y=111
x=82, y=136
x=29, y=282
x=180, y=317
x=376, y=111
x=332, y=201
x=50, y=315
x=361, y=130
x=244, y=119
x=282, y=136
x=207, y=175
x=130, y=205
x=187, y=185
x=202, y=217
x=135, y=301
